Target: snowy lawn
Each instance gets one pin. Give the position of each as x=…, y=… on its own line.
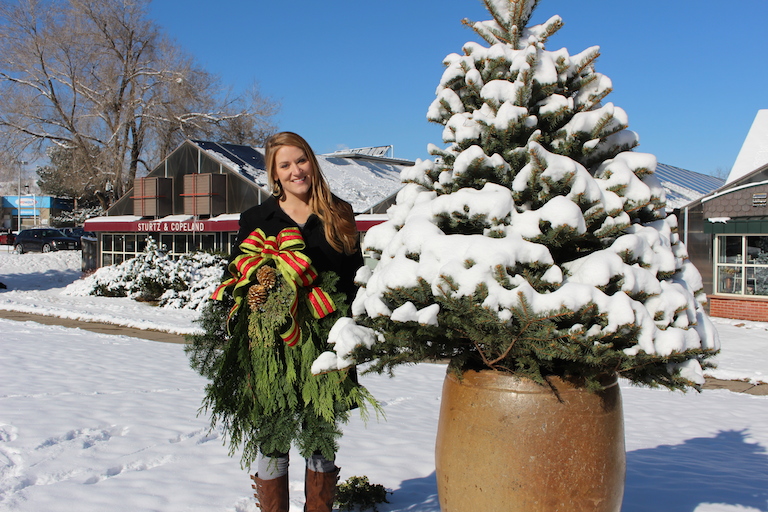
x=93, y=422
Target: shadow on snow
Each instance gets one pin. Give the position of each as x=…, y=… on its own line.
x=41, y=280
x=726, y=469
x=415, y=495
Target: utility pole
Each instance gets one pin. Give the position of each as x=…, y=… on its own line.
x=18, y=197
x=18, y=203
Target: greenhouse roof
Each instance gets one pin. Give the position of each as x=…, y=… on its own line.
x=683, y=186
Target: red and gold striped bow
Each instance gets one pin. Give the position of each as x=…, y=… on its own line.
x=284, y=250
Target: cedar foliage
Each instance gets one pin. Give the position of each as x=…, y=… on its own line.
x=261, y=391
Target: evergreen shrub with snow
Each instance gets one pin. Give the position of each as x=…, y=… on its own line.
x=76, y=217
x=537, y=242
x=184, y=283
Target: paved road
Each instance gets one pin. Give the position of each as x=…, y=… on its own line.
x=732, y=385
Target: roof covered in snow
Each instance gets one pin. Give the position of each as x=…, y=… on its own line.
x=754, y=150
x=362, y=179
x=683, y=186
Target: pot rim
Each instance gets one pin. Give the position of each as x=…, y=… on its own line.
x=503, y=381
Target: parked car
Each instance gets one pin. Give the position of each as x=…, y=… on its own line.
x=77, y=232
x=44, y=240
x=7, y=238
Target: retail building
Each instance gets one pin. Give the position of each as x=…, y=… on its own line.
x=193, y=199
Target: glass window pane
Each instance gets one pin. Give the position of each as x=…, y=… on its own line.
x=119, y=243
x=130, y=244
x=141, y=244
x=757, y=250
x=194, y=243
x=180, y=244
x=730, y=249
x=208, y=242
x=107, y=243
x=757, y=281
x=166, y=243
x=729, y=280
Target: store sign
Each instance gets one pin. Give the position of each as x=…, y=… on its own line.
x=27, y=202
x=170, y=226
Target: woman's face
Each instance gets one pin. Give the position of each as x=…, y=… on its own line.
x=294, y=171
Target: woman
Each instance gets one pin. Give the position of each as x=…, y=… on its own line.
x=302, y=199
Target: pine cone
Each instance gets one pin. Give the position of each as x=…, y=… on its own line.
x=257, y=295
x=266, y=276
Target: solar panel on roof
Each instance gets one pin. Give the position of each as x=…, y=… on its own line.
x=249, y=161
x=241, y=155
x=245, y=153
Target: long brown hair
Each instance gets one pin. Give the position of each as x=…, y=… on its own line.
x=336, y=215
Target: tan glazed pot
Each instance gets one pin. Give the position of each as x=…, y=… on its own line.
x=508, y=444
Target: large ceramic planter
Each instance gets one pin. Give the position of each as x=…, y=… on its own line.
x=509, y=444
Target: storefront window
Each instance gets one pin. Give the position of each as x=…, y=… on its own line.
x=742, y=265
x=119, y=247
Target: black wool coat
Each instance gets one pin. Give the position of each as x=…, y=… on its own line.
x=271, y=219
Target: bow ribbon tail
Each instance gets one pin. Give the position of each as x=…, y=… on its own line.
x=218, y=293
x=293, y=334
x=297, y=271
x=242, y=268
x=321, y=304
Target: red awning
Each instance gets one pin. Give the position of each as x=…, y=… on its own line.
x=173, y=224
x=188, y=224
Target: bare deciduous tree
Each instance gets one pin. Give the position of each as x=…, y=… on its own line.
x=98, y=78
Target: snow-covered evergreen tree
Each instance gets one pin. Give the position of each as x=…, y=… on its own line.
x=536, y=242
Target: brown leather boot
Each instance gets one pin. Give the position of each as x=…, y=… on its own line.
x=320, y=490
x=271, y=495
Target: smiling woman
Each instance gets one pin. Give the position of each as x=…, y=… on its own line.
x=294, y=261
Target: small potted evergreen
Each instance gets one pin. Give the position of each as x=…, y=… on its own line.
x=536, y=255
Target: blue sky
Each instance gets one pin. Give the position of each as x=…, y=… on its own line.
x=691, y=75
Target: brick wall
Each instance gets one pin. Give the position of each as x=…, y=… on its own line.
x=739, y=308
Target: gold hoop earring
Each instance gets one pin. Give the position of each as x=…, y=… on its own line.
x=277, y=189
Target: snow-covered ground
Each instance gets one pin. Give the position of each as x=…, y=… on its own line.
x=94, y=422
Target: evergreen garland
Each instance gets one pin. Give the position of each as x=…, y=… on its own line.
x=261, y=391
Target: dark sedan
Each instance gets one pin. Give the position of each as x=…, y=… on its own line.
x=44, y=240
